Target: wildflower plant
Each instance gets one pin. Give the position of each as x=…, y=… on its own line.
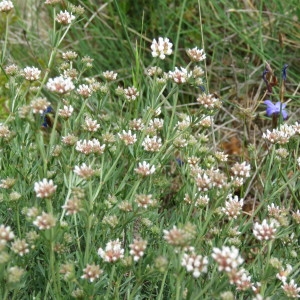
x=114, y=182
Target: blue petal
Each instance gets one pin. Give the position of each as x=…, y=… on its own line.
x=284, y=114
x=271, y=108
x=280, y=106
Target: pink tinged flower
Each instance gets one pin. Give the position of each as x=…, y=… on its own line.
x=45, y=221
x=144, y=169
x=280, y=136
x=296, y=127
x=157, y=123
x=127, y=137
x=60, y=85
x=31, y=73
x=154, y=71
x=91, y=272
x=131, y=93
x=90, y=146
x=275, y=211
x=206, y=121
x=66, y=112
x=4, y=130
x=11, y=70
x=237, y=181
x=291, y=289
x=180, y=75
x=265, y=231
x=69, y=139
x=196, y=264
x=84, y=90
x=144, y=201
x=228, y=259
x=161, y=48
x=20, y=247
x=84, y=171
x=152, y=144
x=137, y=249
x=64, y=17
x=196, y=54
x=241, y=169
x=44, y=188
x=32, y=212
x=202, y=201
x=39, y=105
x=233, y=207
x=110, y=75
x=69, y=55
x=209, y=101
x=176, y=237
x=136, y=124
x=6, y=6
x=240, y=279
x=112, y=252
x=6, y=234
x=283, y=273
x=203, y=182
x=90, y=125
x=276, y=109
x=296, y=216
x=73, y=206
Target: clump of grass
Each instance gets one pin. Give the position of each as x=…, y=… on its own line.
x=124, y=188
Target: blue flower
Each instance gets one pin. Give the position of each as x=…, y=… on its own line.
x=179, y=162
x=46, y=117
x=276, y=109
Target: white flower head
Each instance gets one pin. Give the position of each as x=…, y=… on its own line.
x=161, y=48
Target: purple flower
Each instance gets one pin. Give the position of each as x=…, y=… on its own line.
x=276, y=109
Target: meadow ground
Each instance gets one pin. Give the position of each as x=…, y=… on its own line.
x=149, y=149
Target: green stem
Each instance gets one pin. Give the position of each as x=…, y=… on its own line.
x=178, y=288
x=53, y=276
x=53, y=52
x=112, y=274
x=178, y=31
x=5, y=41
x=162, y=286
x=88, y=239
x=77, y=234
x=89, y=224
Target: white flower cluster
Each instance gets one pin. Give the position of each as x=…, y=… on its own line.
x=264, y=231
x=196, y=264
x=161, y=48
x=282, y=135
x=60, y=85
x=112, y=252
